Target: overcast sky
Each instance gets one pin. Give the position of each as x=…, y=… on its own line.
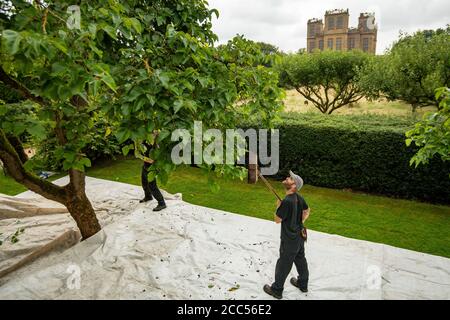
x=283, y=22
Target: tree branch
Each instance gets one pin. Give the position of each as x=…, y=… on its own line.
x=17, y=145
x=307, y=96
x=21, y=89
x=14, y=166
x=349, y=97
x=59, y=131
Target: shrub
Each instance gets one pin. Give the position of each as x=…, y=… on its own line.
x=366, y=153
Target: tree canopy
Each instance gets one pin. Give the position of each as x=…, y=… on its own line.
x=328, y=79
x=149, y=66
x=412, y=70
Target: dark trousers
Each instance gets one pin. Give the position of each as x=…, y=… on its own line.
x=150, y=188
x=291, y=252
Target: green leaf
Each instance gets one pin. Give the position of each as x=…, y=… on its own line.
x=162, y=177
x=203, y=81
x=160, y=20
x=94, y=87
x=236, y=287
x=215, y=11
x=134, y=93
x=109, y=81
x=151, y=99
x=12, y=41
x=60, y=45
x=151, y=176
x=19, y=128
x=177, y=105
x=135, y=24
x=58, y=69
x=105, y=77
x=85, y=162
x=164, y=78
x=37, y=130
x=408, y=142
x=70, y=156
x=93, y=29
x=163, y=134
x=140, y=103
x=122, y=135
x=126, y=149
x=110, y=31
x=125, y=108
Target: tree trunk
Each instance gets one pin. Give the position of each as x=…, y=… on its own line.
x=79, y=205
x=73, y=195
x=81, y=210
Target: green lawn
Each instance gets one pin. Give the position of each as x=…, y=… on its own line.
x=401, y=223
x=10, y=187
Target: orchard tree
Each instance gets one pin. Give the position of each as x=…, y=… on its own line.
x=412, y=70
x=327, y=79
x=150, y=66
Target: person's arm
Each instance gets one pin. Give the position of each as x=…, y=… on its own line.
x=305, y=211
x=283, y=208
x=305, y=215
x=276, y=218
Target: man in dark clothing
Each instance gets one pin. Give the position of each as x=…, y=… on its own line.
x=292, y=213
x=150, y=188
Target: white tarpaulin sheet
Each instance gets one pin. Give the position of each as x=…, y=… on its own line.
x=48, y=227
x=192, y=252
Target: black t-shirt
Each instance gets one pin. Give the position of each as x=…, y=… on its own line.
x=290, y=212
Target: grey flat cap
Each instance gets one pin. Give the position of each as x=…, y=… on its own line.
x=298, y=181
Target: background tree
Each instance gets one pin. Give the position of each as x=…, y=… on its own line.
x=327, y=79
x=432, y=134
x=412, y=70
x=150, y=66
x=270, y=49
x=428, y=34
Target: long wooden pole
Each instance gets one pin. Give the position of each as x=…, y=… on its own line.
x=269, y=186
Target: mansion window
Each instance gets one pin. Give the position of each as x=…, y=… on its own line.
x=312, y=30
x=351, y=43
x=366, y=44
x=338, y=44
x=331, y=23
x=330, y=44
x=340, y=22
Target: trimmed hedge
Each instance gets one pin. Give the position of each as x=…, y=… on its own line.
x=366, y=153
